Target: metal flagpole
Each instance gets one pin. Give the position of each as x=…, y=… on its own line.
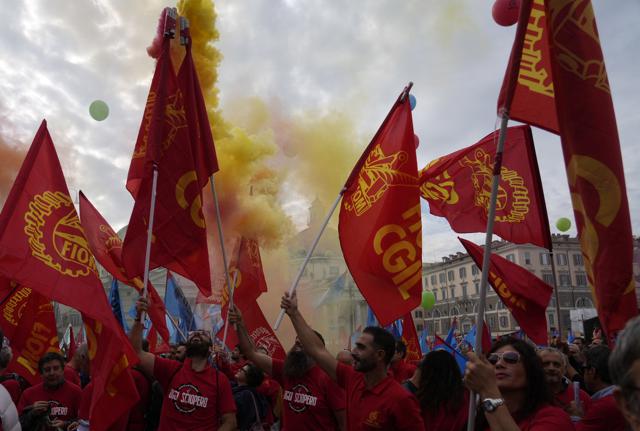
x=220, y=236
x=497, y=167
x=226, y=320
x=152, y=212
x=309, y=253
x=555, y=289
x=175, y=325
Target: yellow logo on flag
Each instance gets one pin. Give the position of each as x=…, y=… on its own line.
x=112, y=241
x=14, y=307
x=532, y=73
x=55, y=235
x=379, y=172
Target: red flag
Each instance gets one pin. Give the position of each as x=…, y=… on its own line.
x=29, y=322
x=106, y=246
x=42, y=246
x=410, y=339
x=250, y=284
x=524, y=294
x=380, y=227
x=179, y=234
x=458, y=187
x=565, y=33
x=527, y=92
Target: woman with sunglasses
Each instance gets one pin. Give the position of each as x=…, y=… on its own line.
x=513, y=391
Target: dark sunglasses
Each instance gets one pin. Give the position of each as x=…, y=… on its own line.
x=507, y=357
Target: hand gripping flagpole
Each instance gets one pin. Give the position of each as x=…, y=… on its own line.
x=486, y=258
x=309, y=253
x=232, y=289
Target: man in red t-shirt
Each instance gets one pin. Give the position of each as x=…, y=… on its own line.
x=54, y=402
x=555, y=364
x=310, y=400
x=197, y=397
x=375, y=401
x=401, y=370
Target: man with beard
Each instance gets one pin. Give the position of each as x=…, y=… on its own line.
x=53, y=404
x=555, y=370
x=196, y=396
x=374, y=399
x=311, y=400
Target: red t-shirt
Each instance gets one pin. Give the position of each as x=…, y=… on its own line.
x=564, y=398
x=603, y=414
x=402, y=370
x=192, y=400
x=64, y=401
x=546, y=418
x=272, y=391
x=309, y=402
x=85, y=408
x=386, y=406
x=13, y=387
x=71, y=375
x=136, y=414
x=443, y=420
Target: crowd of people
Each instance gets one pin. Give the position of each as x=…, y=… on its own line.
x=197, y=386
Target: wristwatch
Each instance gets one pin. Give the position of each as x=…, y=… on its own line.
x=491, y=404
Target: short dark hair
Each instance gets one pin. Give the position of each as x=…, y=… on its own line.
x=382, y=339
x=401, y=348
x=255, y=376
x=598, y=358
x=49, y=357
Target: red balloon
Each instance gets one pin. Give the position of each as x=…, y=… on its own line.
x=505, y=12
x=416, y=141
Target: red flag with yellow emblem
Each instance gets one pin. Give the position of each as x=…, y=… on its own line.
x=410, y=339
x=43, y=246
x=458, y=187
x=28, y=321
x=164, y=143
x=524, y=294
x=380, y=227
x=106, y=246
x=247, y=270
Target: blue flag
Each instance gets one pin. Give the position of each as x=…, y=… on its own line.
x=371, y=318
x=116, y=305
x=335, y=291
x=470, y=338
x=424, y=345
x=178, y=306
x=570, y=336
x=451, y=339
x=396, y=329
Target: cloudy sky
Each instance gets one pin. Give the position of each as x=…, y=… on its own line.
x=301, y=58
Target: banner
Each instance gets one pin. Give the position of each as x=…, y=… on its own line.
x=458, y=187
x=380, y=227
x=43, y=246
x=410, y=339
x=524, y=294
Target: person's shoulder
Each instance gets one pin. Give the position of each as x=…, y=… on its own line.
x=550, y=414
x=72, y=387
x=34, y=389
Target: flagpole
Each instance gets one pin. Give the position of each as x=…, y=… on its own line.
x=555, y=289
x=175, y=325
x=486, y=258
x=226, y=320
x=220, y=236
x=152, y=212
x=309, y=253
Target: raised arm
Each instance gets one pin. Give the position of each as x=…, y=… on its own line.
x=147, y=360
x=245, y=343
x=310, y=341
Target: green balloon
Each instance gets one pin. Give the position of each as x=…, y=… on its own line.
x=428, y=300
x=563, y=224
x=98, y=110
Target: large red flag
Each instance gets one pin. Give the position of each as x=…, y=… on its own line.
x=410, y=339
x=106, y=246
x=524, y=294
x=380, y=227
x=28, y=321
x=246, y=268
x=179, y=234
x=458, y=187
x=527, y=92
x=43, y=246
x=565, y=33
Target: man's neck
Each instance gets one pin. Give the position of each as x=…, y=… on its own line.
x=198, y=363
x=375, y=376
x=556, y=388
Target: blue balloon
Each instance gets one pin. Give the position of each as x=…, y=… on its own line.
x=412, y=101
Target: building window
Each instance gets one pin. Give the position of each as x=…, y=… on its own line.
x=453, y=293
x=527, y=258
x=474, y=269
x=419, y=314
x=464, y=290
x=545, y=259
x=477, y=287
x=551, y=319
x=450, y=275
x=454, y=311
x=492, y=322
x=565, y=279
x=561, y=259
x=444, y=293
x=504, y=322
x=435, y=294
x=433, y=279
x=463, y=272
x=584, y=303
x=426, y=282
x=334, y=270
x=581, y=280
x=442, y=278
x=419, y=327
x=547, y=277
x=511, y=257
x=577, y=259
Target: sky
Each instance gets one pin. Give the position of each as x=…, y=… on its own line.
x=328, y=70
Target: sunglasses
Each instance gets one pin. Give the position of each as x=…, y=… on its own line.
x=507, y=357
